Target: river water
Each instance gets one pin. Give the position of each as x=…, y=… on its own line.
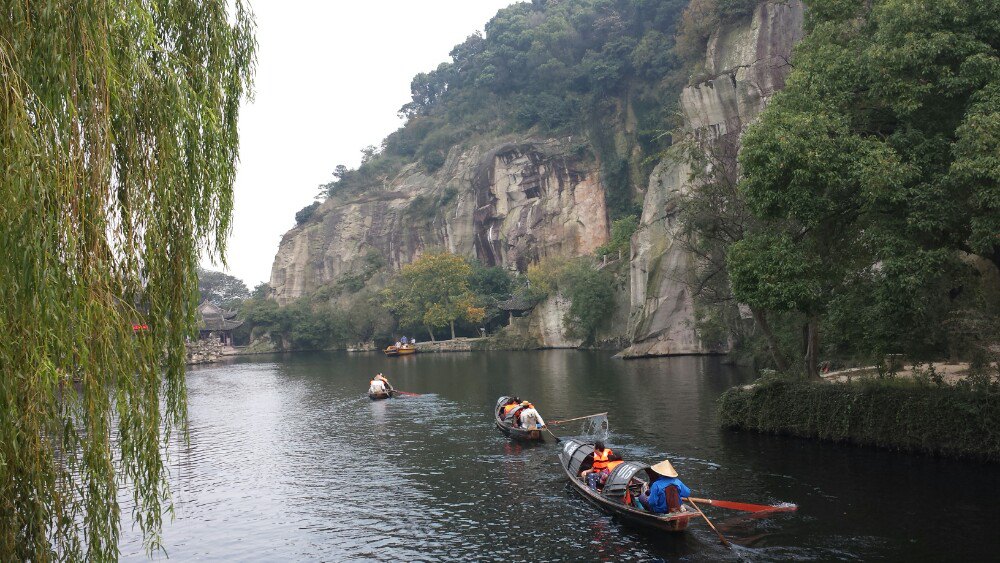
x=289, y=460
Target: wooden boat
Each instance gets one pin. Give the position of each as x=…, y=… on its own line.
x=534, y=435
x=380, y=396
x=628, y=476
x=402, y=350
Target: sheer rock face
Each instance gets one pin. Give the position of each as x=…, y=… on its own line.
x=507, y=205
x=747, y=65
x=532, y=202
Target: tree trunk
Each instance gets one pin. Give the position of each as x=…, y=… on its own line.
x=772, y=343
x=430, y=332
x=812, y=348
x=453, y=330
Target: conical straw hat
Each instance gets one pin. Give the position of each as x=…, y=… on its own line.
x=664, y=468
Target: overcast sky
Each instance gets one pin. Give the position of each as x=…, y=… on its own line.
x=330, y=77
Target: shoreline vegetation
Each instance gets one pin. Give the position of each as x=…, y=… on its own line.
x=937, y=409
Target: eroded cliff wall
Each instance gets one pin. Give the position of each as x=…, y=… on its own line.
x=513, y=201
x=744, y=66
x=507, y=204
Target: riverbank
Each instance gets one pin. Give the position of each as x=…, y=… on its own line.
x=454, y=345
x=904, y=414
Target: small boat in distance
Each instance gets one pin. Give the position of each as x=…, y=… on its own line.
x=401, y=350
x=624, y=484
x=515, y=433
x=380, y=396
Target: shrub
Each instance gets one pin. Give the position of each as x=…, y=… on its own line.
x=621, y=236
x=895, y=414
x=306, y=213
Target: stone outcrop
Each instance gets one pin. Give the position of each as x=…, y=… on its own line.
x=545, y=325
x=514, y=201
x=508, y=204
x=207, y=351
x=746, y=65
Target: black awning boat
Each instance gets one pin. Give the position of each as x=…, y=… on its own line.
x=506, y=426
x=624, y=484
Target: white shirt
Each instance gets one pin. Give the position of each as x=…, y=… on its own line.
x=376, y=387
x=530, y=417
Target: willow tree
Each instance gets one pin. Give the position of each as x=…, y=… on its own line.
x=118, y=152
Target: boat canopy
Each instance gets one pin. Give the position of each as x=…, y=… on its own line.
x=502, y=401
x=619, y=478
x=573, y=454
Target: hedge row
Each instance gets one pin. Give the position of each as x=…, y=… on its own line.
x=889, y=414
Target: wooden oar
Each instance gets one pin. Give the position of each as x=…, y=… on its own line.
x=558, y=439
x=406, y=393
x=578, y=418
x=725, y=542
x=745, y=506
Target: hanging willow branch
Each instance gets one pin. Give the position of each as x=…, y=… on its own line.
x=117, y=157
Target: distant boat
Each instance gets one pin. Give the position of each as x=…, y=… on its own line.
x=532, y=435
x=380, y=396
x=624, y=483
x=401, y=350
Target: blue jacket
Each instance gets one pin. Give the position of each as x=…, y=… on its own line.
x=658, y=493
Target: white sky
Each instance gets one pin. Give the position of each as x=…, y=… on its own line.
x=330, y=77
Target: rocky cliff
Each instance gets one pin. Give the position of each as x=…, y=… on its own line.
x=745, y=65
x=513, y=201
x=506, y=203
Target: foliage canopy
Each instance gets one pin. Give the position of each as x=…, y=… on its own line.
x=876, y=168
x=120, y=140
x=434, y=291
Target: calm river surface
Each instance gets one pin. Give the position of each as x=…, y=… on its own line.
x=289, y=460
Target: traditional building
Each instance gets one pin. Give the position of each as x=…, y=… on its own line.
x=517, y=306
x=216, y=322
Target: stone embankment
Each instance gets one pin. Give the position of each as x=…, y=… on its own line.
x=456, y=345
x=208, y=351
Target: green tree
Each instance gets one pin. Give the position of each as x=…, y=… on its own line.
x=119, y=147
x=221, y=288
x=306, y=213
x=590, y=291
x=434, y=292
x=876, y=166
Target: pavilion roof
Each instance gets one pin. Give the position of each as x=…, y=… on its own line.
x=213, y=318
x=516, y=302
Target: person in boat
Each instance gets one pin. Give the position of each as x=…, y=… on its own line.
x=403, y=340
x=377, y=386
x=512, y=403
x=604, y=460
x=388, y=386
x=530, y=419
x=667, y=492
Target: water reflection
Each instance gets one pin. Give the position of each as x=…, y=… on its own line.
x=288, y=459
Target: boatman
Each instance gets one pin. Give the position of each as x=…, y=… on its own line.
x=382, y=378
x=530, y=419
x=385, y=382
x=376, y=386
x=666, y=492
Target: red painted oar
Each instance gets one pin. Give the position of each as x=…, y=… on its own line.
x=745, y=506
x=405, y=393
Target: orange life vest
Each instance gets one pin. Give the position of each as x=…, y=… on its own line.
x=601, y=459
x=613, y=464
x=508, y=408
